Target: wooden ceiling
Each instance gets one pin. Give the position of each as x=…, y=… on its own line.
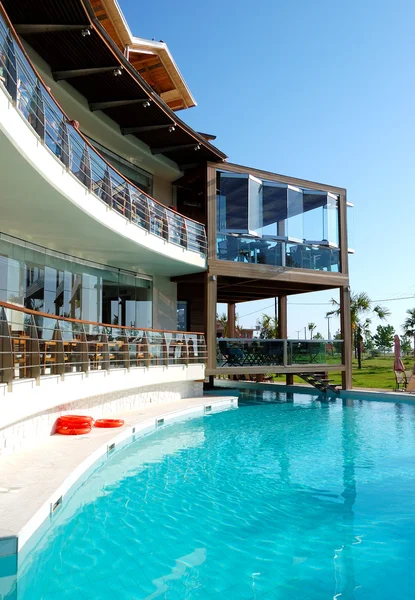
x=103, y=18
x=148, y=63
x=244, y=289
x=154, y=72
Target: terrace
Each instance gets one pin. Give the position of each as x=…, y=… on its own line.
x=65, y=142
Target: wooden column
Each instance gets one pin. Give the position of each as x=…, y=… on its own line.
x=282, y=328
x=231, y=319
x=282, y=317
x=58, y=351
x=33, y=350
x=344, y=256
x=6, y=350
x=82, y=350
x=210, y=327
x=211, y=211
x=346, y=331
x=105, y=352
x=211, y=283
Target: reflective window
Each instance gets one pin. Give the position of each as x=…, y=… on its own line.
x=139, y=177
x=255, y=204
x=50, y=283
x=274, y=209
x=331, y=220
x=182, y=315
x=267, y=222
x=232, y=202
x=295, y=209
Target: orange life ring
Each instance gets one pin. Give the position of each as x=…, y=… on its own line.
x=109, y=423
x=75, y=419
x=65, y=430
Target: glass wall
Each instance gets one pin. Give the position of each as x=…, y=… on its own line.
x=274, y=223
x=53, y=283
x=141, y=178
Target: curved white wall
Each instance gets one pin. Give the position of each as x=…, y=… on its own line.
x=44, y=203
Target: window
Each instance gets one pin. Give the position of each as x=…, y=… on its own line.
x=142, y=179
x=182, y=316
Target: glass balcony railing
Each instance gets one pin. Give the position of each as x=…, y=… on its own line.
x=35, y=103
x=35, y=344
x=277, y=253
x=249, y=352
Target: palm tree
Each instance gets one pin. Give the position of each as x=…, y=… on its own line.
x=268, y=327
x=409, y=325
x=311, y=327
x=361, y=306
x=222, y=320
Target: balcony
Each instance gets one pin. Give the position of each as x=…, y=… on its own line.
x=276, y=221
x=47, y=360
x=118, y=204
x=277, y=356
x=268, y=250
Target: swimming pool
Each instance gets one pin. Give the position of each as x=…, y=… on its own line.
x=283, y=498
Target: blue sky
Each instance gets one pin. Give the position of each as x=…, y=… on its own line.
x=320, y=90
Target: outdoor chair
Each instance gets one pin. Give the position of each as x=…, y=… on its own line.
x=273, y=353
x=234, y=357
x=401, y=381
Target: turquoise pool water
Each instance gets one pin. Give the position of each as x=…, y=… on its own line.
x=279, y=499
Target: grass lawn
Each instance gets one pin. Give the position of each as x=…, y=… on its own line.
x=375, y=373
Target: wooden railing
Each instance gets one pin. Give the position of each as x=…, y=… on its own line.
x=33, y=344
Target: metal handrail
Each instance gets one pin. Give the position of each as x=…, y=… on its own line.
x=33, y=344
x=253, y=352
x=36, y=104
x=277, y=252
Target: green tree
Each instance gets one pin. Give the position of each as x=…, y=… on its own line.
x=222, y=320
x=268, y=327
x=318, y=336
x=409, y=324
x=406, y=344
x=368, y=342
x=361, y=306
x=311, y=327
x=383, y=338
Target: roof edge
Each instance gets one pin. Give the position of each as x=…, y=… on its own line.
x=130, y=41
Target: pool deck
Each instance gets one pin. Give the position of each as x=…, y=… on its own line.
x=36, y=479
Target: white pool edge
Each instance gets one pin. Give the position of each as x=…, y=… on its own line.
x=13, y=543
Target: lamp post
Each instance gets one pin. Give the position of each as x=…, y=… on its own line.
x=298, y=334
